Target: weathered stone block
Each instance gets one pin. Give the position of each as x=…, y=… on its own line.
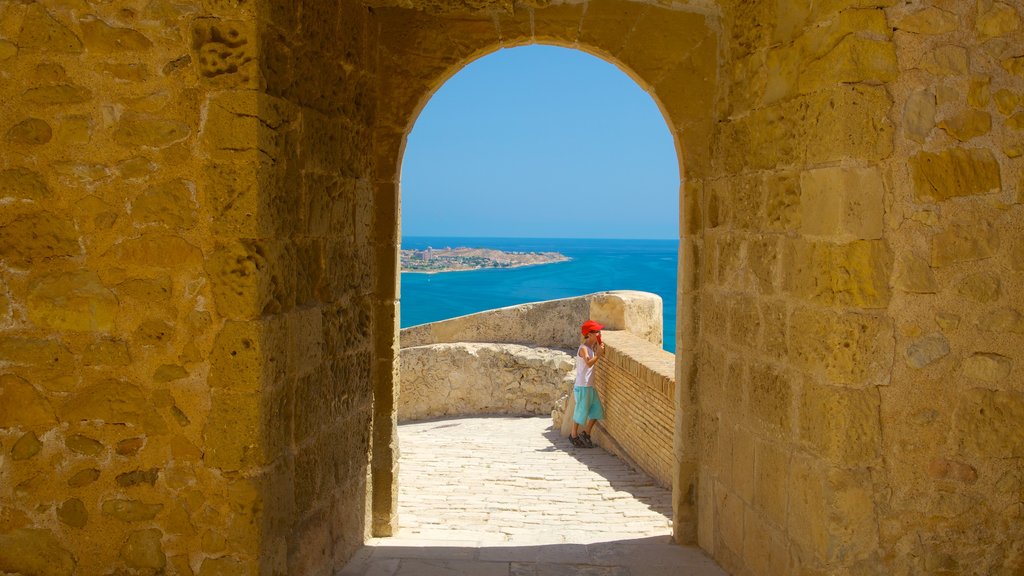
x=764, y=257
x=170, y=203
x=112, y=401
x=102, y=38
x=238, y=358
x=854, y=59
x=1003, y=320
x=36, y=236
x=130, y=446
x=946, y=60
x=967, y=124
x=990, y=423
x=729, y=519
x=39, y=354
x=602, y=24
x=954, y=172
x=999, y=20
x=224, y=47
x=157, y=250
x=854, y=274
x=143, y=550
x=842, y=203
x=782, y=205
x=169, y=373
x=130, y=510
x=71, y=301
x=41, y=31
x=83, y=445
x=1006, y=101
x=852, y=519
x=913, y=274
x=75, y=130
x=1014, y=65
x=153, y=333
x=28, y=551
x=136, y=477
x=84, y=477
x=136, y=130
x=981, y=287
x=987, y=367
x=57, y=95
x=250, y=278
x=233, y=434
x=744, y=322
x=657, y=53
x=22, y=406
x=931, y=20
x=919, y=115
x=840, y=424
x=806, y=522
x=964, y=241
x=979, y=94
x=771, y=400
x=849, y=122
x=23, y=184
x=771, y=489
x=26, y=447
x=927, y=350
x=31, y=131
x=946, y=469
x=73, y=513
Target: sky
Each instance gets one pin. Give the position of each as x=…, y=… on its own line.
x=540, y=142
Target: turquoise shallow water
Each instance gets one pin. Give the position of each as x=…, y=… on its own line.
x=596, y=265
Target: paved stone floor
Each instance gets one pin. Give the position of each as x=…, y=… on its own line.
x=510, y=497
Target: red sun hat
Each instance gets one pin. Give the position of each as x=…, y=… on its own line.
x=590, y=326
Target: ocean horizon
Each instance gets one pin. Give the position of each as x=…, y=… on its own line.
x=595, y=265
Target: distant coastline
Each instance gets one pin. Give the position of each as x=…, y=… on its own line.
x=436, y=260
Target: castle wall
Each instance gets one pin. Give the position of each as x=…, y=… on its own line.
x=859, y=271
x=186, y=286
x=550, y=323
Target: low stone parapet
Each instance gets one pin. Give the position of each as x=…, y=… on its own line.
x=550, y=323
x=481, y=378
x=636, y=383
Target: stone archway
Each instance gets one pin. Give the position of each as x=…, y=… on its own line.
x=671, y=53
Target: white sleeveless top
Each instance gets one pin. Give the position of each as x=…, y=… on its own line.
x=584, y=373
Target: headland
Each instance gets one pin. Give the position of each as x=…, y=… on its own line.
x=434, y=260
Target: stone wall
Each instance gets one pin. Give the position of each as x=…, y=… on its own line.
x=187, y=286
x=464, y=379
x=857, y=247
x=551, y=323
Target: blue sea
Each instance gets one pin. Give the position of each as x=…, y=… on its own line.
x=596, y=266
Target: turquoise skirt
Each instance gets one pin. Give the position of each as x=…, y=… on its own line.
x=588, y=405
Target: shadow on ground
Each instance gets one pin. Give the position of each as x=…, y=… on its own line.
x=640, y=557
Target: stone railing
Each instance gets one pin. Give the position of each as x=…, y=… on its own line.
x=551, y=323
x=519, y=360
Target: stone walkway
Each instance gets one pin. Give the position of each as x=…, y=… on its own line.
x=510, y=497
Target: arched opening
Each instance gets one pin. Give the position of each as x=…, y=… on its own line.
x=418, y=55
x=539, y=149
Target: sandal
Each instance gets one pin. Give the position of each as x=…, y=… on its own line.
x=587, y=442
x=576, y=441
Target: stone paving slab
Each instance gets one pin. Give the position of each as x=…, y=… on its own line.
x=511, y=497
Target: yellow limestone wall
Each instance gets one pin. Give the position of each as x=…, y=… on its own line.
x=186, y=286
x=198, y=274
x=861, y=336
